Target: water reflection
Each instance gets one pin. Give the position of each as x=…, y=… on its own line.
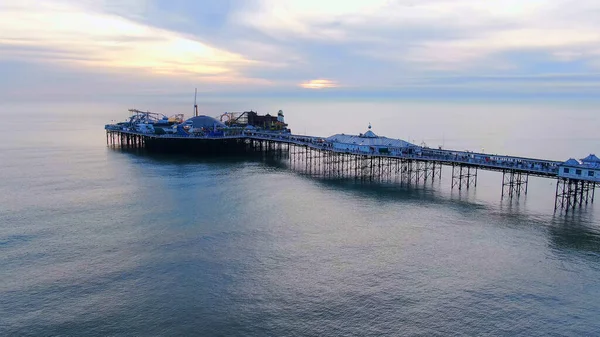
x=467, y=202
x=576, y=231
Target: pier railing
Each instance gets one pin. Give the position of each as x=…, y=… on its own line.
x=530, y=166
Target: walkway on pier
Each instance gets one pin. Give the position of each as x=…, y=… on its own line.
x=529, y=166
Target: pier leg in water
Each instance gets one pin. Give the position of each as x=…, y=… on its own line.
x=513, y=183
x=463, y=175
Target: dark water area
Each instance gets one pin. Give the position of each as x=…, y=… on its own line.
x=96, y=241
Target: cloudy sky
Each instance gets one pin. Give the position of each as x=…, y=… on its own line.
x=59, y=49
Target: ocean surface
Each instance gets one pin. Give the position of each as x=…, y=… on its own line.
x=97, y=241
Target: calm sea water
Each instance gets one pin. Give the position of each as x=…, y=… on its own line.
x=101, y=242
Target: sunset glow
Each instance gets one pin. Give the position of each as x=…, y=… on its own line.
x=318, y=84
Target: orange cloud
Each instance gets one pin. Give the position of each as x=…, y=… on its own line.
x=319, y=84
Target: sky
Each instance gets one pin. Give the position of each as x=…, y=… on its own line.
x=115, y=49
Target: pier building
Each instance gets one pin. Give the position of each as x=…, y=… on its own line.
x=587, y=169
x=369, y=142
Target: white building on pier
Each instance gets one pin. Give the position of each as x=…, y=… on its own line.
x=587, y=168
x=370, y=143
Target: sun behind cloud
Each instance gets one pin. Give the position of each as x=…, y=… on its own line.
x=319, y=84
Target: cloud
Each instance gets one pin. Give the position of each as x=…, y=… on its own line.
x=319, y=84
x=436, y=34
x=274, y=47
x=73, y=36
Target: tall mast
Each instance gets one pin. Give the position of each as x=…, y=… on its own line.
x=195, y=105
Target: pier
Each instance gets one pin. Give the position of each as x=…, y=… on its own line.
x=365, y=157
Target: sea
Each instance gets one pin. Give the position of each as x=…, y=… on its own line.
x=101, y=241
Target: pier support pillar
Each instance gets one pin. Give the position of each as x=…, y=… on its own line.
x=464, y=176
x=514, y=183
x=571, y=193
x=436, y=171
x=432, y=170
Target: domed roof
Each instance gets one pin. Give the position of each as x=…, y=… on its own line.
x=572, y=162
x=369, y=134
x=203, y=121
x=591, y=159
